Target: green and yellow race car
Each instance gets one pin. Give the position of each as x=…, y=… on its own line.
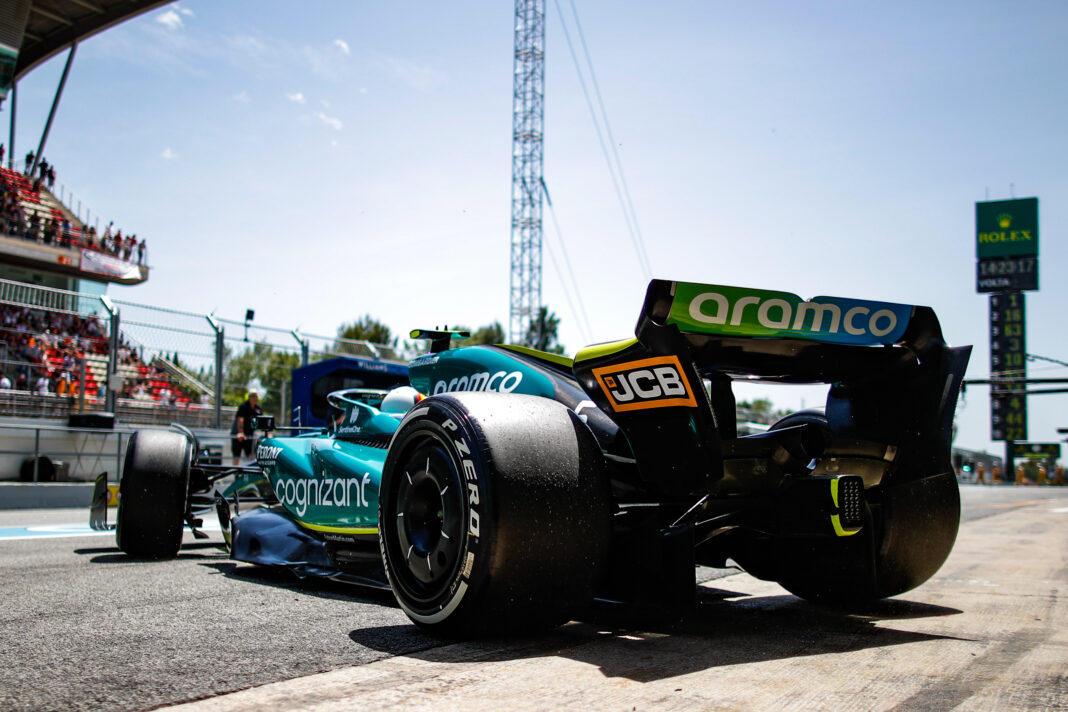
x=508, y=489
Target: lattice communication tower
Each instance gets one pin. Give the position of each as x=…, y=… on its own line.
x=528, y=110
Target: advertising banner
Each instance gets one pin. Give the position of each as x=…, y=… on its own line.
x=100, y=263
x=1006, y=228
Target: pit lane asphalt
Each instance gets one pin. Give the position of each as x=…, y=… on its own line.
x=84, y=627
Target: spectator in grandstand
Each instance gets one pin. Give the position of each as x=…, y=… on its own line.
x=241, y=432
x=63, y=383
x=42, y=384
x=5, y=382
x=21, y=382
x=141, y=252
x=1, y=153
x=51, y=177
x=18, y=217
x=31, y=353
x=29, y=163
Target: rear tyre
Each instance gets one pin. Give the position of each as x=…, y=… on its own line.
x=911, y=528
x=494, y=514
x=152, y=494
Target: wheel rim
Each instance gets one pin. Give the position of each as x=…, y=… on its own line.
x=428, y=516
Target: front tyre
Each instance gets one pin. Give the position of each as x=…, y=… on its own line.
x=152, y=494
x=494, y=514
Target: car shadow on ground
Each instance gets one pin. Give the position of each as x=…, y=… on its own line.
x=114, y=555
x=283, y=578
x=726, y=628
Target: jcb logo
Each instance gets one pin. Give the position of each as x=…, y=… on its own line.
x=649, y=383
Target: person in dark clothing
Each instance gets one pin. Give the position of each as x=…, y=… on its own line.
x=241, y=432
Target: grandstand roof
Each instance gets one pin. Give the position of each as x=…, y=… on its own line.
x=54, y=24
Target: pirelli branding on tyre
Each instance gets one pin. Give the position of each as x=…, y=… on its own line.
x=657, y=382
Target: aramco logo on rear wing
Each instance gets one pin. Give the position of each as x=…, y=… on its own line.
x=735, y=311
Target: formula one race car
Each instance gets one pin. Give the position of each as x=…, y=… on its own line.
x=527, y=486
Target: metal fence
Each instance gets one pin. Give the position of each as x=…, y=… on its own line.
x=68, y=352
x=48, y=453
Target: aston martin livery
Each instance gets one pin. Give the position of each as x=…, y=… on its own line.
x=506, y=489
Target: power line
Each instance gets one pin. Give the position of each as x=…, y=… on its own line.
x=635, y=234
x=1033, y=357
x=580, y=314
x=611, y=139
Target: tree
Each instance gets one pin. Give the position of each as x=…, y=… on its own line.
x=761, y=405
x=204, y=374
x=365, y=328
x=274, y=370
x=542, y=332
x=489, y=334
x=763, y=410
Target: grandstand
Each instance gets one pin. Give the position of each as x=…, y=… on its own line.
x=42, y=241
x=63, y=354
x=66, y=357
x=79, y=371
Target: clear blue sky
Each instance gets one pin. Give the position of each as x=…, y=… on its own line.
x=321, y=161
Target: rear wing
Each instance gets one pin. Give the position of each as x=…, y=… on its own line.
x=892, y=378
x=778, y=336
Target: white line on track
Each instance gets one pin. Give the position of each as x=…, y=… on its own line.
x=59, y=531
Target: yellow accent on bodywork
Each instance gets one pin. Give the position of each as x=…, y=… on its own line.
x=599, y=350
x=839, y=530
x=836, y=520
x=339, y=530
x=543, y=355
